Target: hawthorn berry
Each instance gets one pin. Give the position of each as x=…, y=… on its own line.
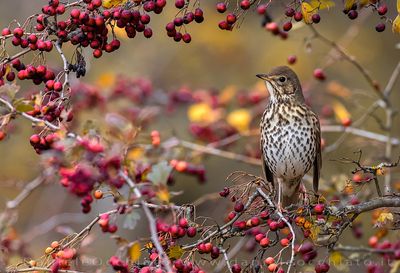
x=316, y=18
x=321, y=268
x=221, y=7
x=319, y=74
x=239, y=206
x=287, y=26
x=236, y=268
x=245, y=4
x=191, y=232
x=382, y=10
x=380, y=27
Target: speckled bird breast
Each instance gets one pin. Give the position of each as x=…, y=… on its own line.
x=288, y=136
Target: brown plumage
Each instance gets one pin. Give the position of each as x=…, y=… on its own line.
x=290, y=135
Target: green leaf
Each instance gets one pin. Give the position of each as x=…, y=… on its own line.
x=23, y=106
x=131, y=220
x=159, y=173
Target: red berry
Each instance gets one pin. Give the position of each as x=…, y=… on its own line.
x=75, y=13
x=5, y=31
x=273, y=225
x=255, y=221
x=319, y=208
x=287, y=26
x=186, y=38
x=382, y=9
x=292, y=59
x=261, y=9
x=148, y=32
x=221, y=7
x=353, y=14
x=316, y=18
x=236, y=268
x=179, y=3
x=298, y=16
x=239, y=206
x=264, y=242
x=319, y=74
x=380, y=27
x=245, y=4
x=231, y=18
x=259, y=237
x=97, y=53
x=284, y=242
x=321, y=268
x=34, y=139
x=18, y=32
x=290, y=12
x=191, y=231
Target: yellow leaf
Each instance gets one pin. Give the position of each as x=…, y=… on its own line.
x=322, y=4
x=348, y=4
x=119, y=32
x=163, y=195
x=134, y=252
x=307, y=10
x=112, y=3
x=385, y=217
x=106, y=80
x=396, y=24
x=240, y=120
x=341, y=112
x=336, y=259
x=135, y=153
x=202, y=112
x=227, y=94
x=398, y=6
x=175, y=252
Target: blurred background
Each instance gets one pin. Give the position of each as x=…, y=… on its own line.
x=214, y=59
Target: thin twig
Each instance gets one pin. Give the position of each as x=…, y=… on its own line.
x=152, y=223
x=270, y=203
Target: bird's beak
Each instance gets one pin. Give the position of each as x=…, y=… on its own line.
x=263, y=77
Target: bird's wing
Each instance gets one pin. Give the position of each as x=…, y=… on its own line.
x=266, y=171
x=318, y=159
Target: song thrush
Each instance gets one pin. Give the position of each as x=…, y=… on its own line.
x=290, y=136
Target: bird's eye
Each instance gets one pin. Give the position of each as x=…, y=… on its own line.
x=282, y=79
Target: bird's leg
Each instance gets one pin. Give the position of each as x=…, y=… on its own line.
x=280, y=208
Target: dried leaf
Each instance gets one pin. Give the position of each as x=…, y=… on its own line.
x=134, y=252
x=159, y=173
x=239, y=119
x=131, y=220
x=175, y=252
x=314, y=232
x=396, y=24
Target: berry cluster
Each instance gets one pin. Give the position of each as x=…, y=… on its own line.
x=189, y=15
x=41, y=143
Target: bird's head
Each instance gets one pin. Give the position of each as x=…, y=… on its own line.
x=283, y=84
